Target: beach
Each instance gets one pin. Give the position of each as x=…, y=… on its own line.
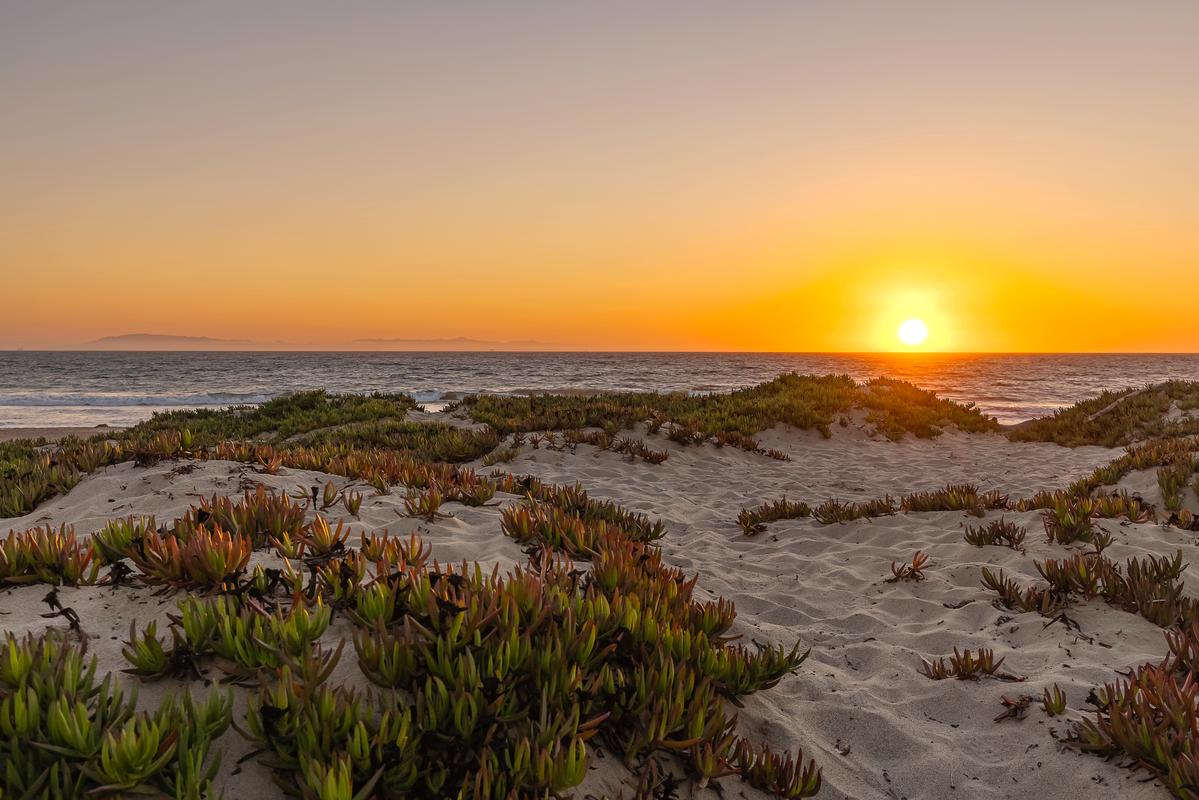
x=859, y=705
x=54, y=433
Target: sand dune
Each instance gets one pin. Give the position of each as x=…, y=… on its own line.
x=859, y=705
x=905, y=735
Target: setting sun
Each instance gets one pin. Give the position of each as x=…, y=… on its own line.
x=913, y=332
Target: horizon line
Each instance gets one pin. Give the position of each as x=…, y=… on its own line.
x=615, y=352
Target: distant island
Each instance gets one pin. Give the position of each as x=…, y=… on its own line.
x=162, y=341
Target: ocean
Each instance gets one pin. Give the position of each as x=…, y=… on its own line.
x=51, y=388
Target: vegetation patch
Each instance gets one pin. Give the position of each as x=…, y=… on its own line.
x=69, y=734
x=967, y=666
x=1149, y=720
x=954, y=497
x=272, y=433
x=1150, y=587
x=1174, y=478
x=276, y=420
x=754, y=520
x=31, y=472
x=998, y=532
x=1117, y=417
x=803, y=401
x=424, y=441
x=485, y=685
x=569, y=440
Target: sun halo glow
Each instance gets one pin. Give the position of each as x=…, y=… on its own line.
x=912, y=332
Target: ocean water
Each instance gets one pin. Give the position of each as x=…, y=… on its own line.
x=91, y=388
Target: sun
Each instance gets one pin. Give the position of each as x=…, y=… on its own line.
x=913, y=332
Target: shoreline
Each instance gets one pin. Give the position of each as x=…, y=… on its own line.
x=53, y=433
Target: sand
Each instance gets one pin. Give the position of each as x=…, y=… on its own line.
x=859, y=705
x=55, y=433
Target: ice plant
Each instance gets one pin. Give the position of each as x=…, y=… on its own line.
x=47, y=555
x=910, y=571
x=1068, y=520
x=322, y=540
x=68, y=734
x=209, y=559
x=1054, y=701
x=425, y=504
x=966, y=665
x=754, y=520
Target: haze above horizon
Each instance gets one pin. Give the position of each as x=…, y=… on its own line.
x=681, y=176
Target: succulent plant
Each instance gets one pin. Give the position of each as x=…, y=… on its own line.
x=754, y=520
x=910, y=571
x=966, y=666
x=47, y=555
x=1069, y=520
x=208, y=559
x=69, y=735
x=352, y=502
x=1053, y=701
x=425, y=504
x=113, y=541
x=146, y=653
x=322, y=540
x=998, y=532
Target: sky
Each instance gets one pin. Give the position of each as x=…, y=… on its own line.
x=692, y=175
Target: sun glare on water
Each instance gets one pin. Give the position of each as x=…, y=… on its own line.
x=913, y=332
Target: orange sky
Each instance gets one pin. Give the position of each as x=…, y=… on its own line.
x=692, y=176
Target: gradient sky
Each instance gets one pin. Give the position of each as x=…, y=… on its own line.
x=610, y=175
